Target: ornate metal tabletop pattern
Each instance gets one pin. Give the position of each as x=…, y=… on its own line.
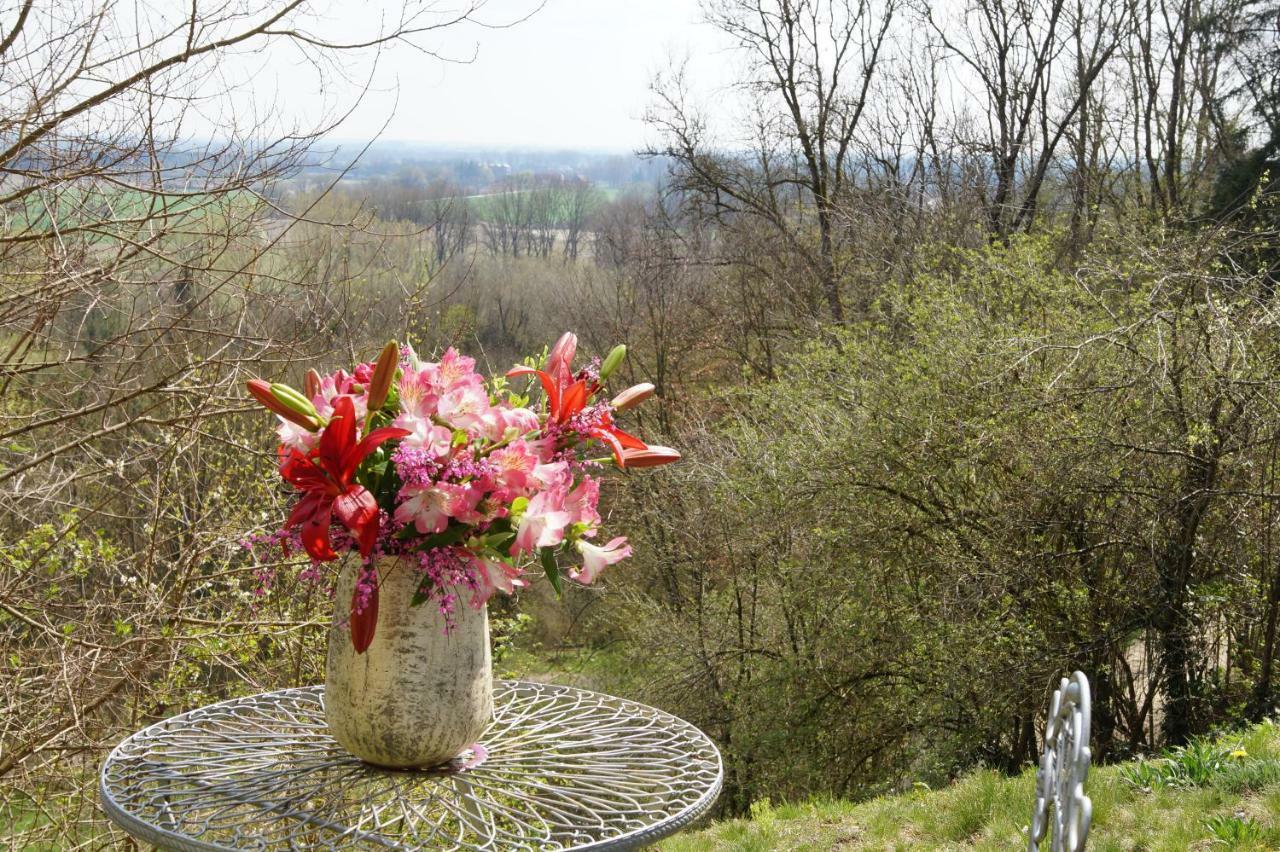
x=560, y=768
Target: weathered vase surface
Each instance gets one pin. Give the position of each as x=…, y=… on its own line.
x=416, y=697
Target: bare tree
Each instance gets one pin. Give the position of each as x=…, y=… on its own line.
x=448, y=219
x=508, y=216
x=1012, y=48
x=142, y=275
x=544, y=213
x=578, y=202
x=1178, y=75
x=812, y=65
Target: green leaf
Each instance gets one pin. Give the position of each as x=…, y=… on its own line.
x=499, y=541
x=549, y=564
x=451, y=535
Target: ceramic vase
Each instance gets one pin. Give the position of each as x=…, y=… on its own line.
x=419, y=695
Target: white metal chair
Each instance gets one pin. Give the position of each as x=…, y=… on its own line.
x=1062, y=810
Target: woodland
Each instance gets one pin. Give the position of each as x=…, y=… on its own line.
x=966, y=326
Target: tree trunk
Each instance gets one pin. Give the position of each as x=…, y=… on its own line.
x=830, y=284
x=1261, y=703
x=1173, y=620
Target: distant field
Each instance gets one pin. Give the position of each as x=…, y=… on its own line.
x=487, y=207
x=71, y=208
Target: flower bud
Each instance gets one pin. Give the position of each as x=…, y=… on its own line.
x=291, y=399
x=311, y=385
x=560, y=359
x=612, y=361
x=652, y=457
x=632, y=396
x=383, y=374
x=263, y=393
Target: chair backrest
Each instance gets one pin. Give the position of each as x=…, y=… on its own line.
x=1062, y=810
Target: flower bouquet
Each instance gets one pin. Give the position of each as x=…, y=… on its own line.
x=443, y=488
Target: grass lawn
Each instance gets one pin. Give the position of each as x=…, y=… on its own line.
x=1221, y=794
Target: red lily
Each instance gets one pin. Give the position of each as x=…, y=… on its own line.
x=326, y=478
x=566, y=397
x=620, y=442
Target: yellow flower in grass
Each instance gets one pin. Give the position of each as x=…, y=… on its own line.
x=1239, y=754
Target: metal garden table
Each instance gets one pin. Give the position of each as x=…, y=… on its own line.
x=559, y=768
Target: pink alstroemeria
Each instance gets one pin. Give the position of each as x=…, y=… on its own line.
x=429, y=509
x=543, y=448
x=436, y=440
x=503, y=423
x=595, y=558
x=464, y=406
x=493, y=575
x=581, y=504
x=419, y=398
x=339, y=384
x=419, y=390
x=297, y=437
x=464, y=500
x=553, y=476
x=542, y=524
x=425, y=508
x=457, y=369
x=523, y=420
x=515, y=465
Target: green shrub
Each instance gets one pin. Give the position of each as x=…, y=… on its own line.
x=1236, y=832
x=1203, y=763
x=1249, y=776
x=1196, y=764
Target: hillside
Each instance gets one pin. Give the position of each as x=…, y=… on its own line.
x=1215, y=794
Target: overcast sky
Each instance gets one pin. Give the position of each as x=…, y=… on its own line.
x=574, y=75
